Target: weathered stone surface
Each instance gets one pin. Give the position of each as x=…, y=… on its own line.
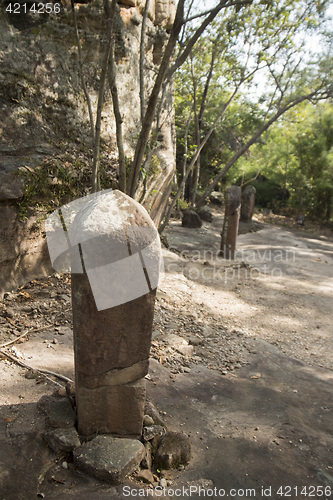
x=41, y=110
x=62, y=440
x=115, y=410
x=145, y=476
x=147, y=421
x=164, y=13
x=11, y=187
x=178, y=343
x=191, y=219
x=108, y=458
x=153, y=433
x=61, y=414
x=205, y=214
x=195, y=341
x=130, y=3
x=248, y=203
x=151, y=8
x=147, y=461
x=185, y=350
x=174, y=449
x=8, y=218
x=23, y=254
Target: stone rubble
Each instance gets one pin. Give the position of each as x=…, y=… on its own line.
x=62, y=440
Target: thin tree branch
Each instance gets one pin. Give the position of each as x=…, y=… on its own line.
x=192, y=41
x=163, y=74
x=194, y=159
x=253, y=139
x=38, y=370
x=142, y=60
x=95, y=179
x=207, y=84
x=112, y=72
x=231, y=4
x=83, y=82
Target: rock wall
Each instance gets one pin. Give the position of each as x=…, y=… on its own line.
x=45, y=144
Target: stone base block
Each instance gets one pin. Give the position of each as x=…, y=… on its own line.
x=117, y=410
x=108, y=458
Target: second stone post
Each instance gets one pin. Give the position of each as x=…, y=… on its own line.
x=230, y=223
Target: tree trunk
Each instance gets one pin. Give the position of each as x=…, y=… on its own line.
x=83, y=82
x=150, y=112
x=95, y=176
x=182, y=194
x=115, y=102
x=196, y=171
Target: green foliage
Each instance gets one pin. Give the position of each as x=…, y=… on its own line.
x=183, y=205
x=154, y=166
x=269, y=194
x=298, y=157
x=59, y=180
x=260, y=56
x=52, y=184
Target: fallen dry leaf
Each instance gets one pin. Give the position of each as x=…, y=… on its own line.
x=9, y=419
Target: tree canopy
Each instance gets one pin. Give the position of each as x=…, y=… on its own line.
x=248, y=69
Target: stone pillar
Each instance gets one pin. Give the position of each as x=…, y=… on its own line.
x=230, y=223
x=115, y=259
x=248, y=202
x=111, y=360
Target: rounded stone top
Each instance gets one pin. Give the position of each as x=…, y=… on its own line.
x=111, y=237
x=111, y=215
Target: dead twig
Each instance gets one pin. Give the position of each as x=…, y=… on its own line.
x=43, y=372
x=30, y=330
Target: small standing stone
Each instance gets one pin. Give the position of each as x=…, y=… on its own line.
x=205, y=214
x=191, y=219
x=300, y=219
x=174, y=450
x=113, y=309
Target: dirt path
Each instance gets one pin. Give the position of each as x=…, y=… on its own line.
x=279, y=288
